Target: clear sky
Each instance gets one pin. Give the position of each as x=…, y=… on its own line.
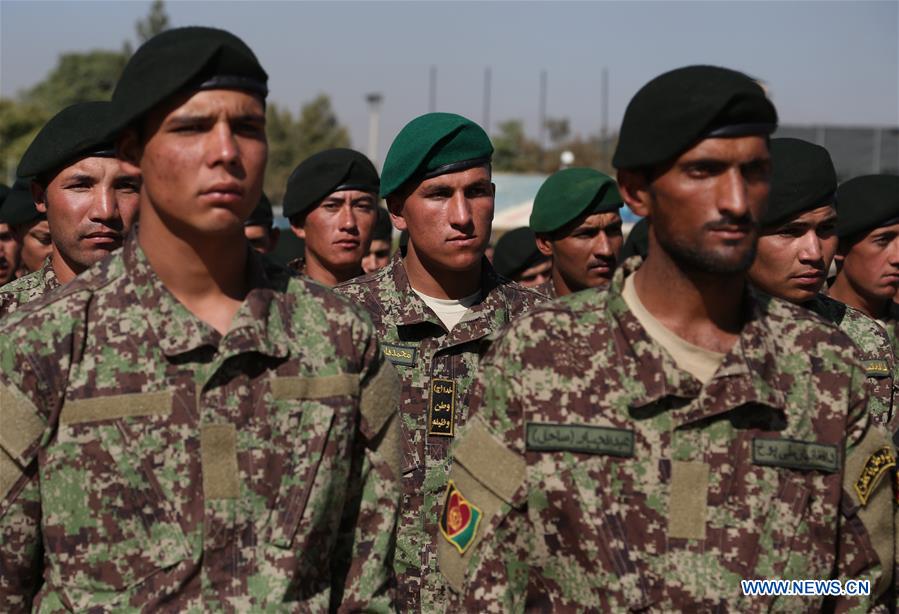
x=824, y=62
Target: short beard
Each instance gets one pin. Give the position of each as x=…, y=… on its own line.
x=692, y=258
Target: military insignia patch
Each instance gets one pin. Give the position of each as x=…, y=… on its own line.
x=399, y=354
x=876, y=368
x=795, y=454
x=876, y=465
x=460, y=519
x=442, y=410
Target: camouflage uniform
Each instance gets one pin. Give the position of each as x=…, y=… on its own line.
x=183, y=470
x=27, y=288
x=605, y=478
x=298, y=266
x=426, y=355
x=875, y=351
x=547, y=289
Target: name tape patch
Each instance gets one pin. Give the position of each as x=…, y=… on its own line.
x=552, y=437
x=399, y=354
x=876, y=368
x=442, y=408
x=875, y=467
x=795, y=454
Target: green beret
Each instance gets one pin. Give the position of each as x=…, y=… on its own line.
x=383, y=229
x=516, y=251
x=72, y=134
x=570, y=193
x=262, y=215
x=637, y=242
x=431, y=145
x=867, y=202
x=184, y=59
x=675, y=110
x=18, y=207
x=327, y=172
x=802, y=178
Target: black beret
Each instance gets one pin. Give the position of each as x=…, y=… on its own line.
x=75, y=132
x=327, y=172
x=18, y=207
x=867, y=202
x=383, y=230
x=637, y=242
x=4, y=192
x=802, y=178
x=675, y=110
x=262, y=215
x=516, y=251
x=184, y=59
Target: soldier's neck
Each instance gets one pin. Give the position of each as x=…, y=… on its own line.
x=704, y=309
x=320, y=272
x=64, y=270
x=844, y=291
x=431, y=279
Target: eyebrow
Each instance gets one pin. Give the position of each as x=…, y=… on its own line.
x=80, y=177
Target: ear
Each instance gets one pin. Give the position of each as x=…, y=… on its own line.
x=39, y=196
x=395, y=207
x=298, y=231
x=634, y=188
x=544, y=245
x=129, y=151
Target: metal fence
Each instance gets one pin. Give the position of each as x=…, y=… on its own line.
x=855, y=151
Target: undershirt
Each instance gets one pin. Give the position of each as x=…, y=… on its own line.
x=697, y=361
x=450, y=311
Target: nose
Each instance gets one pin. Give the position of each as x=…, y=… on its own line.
x=347, y=218
x=732, y=194
x=810, y=248
x=105, y=205
x=894, y=251
x=223, y=148
x=459, y=213
x=602, y=247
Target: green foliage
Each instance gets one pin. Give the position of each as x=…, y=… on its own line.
x=513, y=151
x=291, y=141
x=78, y=77
x=19, y=123
x=516, y=153
x=156, y=21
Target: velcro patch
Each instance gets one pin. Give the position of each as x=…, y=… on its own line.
x=112, y=407
x=552, y=437
x=399, y=354
x=877, y=464
x=460, y=519
x=876, y=368
x=795, y=454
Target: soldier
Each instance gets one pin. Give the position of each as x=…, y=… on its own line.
x=796, y=247
x=432, y=307
x=331, y=202
x=381, y=243
x=206, y=436
x=576, y=219
x=259, y=229
x=517, y=257
x=29, y=227
x=89, y=201
x=868, y=252
x=9, y=244
x=629, y=451
x=636, y=242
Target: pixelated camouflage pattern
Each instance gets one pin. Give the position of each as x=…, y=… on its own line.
x=27, y=288
x=124, y=379
x=401, y=316
x=298, y=266
x=872, y=342
x=547, y=289
x=589, y=532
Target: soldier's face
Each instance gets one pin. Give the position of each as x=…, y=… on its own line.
x=378, y=256
x=871, y=264
x=585, y=254
x=338, y=231
x=535, y=275
x=449, y=219
x=9, y=254
x=705, y=207
x=792, y=258
x=262, y=238
x=90, y=206
x=202, y=158
x=36, y=244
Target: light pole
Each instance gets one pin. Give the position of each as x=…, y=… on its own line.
x=374, y=123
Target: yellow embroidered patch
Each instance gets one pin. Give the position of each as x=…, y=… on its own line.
x=877, y=464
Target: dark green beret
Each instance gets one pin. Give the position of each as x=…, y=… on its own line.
x=570, y=193
x=637, y=242
x=675, y=110
x=184, y=59
x=18, y=207
x=867, y=202
x=325, y=173
x=802, y=178
x=431, y=145
x=516, y=251
x=262, y=215
x=383, y=230
x=75, y=132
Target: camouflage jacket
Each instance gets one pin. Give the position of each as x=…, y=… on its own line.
x=185, y=470
x=27, y=288
x=435, y=366
x=298, y=266
x=596, y=475
x=547, y=289
x=875, y=351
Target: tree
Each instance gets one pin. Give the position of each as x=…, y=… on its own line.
x=78, y=77
x=19, y=123
x=513, y=151
x=156, y=21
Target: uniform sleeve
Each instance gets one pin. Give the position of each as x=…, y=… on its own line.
x=368, y=527
x=866, y=548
